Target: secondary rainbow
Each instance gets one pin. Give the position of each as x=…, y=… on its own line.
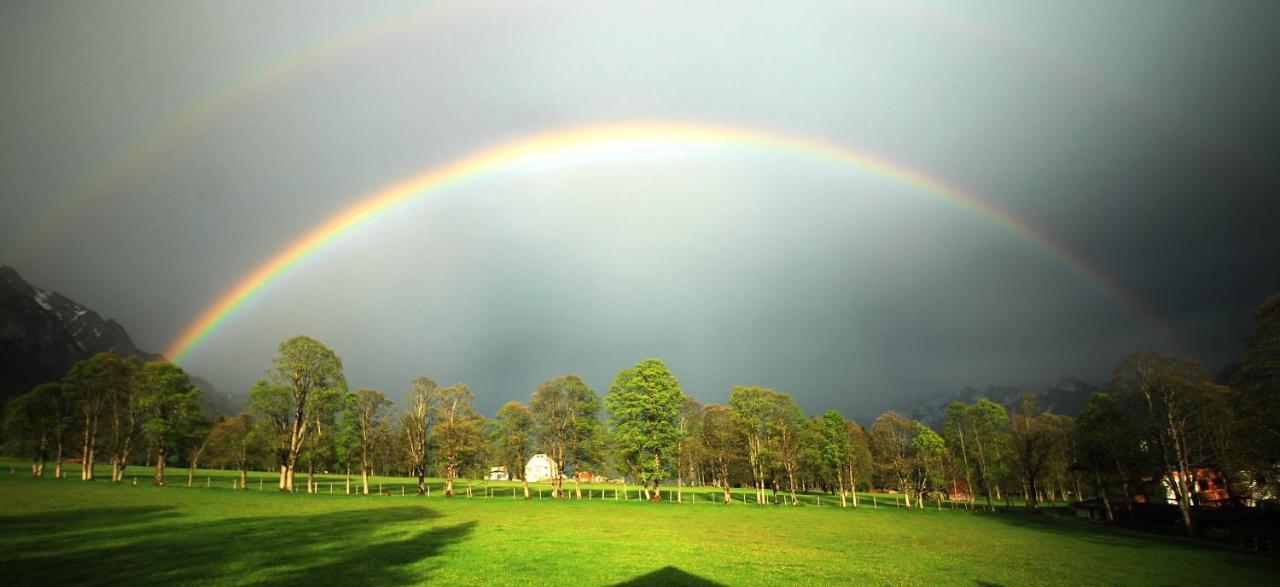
x=602, y=138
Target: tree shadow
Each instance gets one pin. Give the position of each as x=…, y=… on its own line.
x=144, y=548
x=669, y=576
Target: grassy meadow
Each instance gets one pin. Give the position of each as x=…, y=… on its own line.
x=67, y=531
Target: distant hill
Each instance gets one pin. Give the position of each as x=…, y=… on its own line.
x=43, y=333
x=1067, y=396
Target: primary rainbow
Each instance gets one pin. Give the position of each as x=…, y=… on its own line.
x=603, y=138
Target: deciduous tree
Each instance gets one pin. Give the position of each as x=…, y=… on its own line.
x=644, y=411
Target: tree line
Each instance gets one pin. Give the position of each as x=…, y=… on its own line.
x=1162, y=420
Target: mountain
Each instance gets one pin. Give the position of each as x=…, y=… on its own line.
x=1067, y=396
x=43, y=333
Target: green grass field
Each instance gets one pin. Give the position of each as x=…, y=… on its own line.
x=67, y=531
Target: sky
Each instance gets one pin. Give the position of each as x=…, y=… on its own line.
x=156, y=153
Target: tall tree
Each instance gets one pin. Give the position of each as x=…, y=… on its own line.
x=644, y=404
x=234, y=443
x=787, y=432
x=719, y=439
x=168, y=402
x=35, y=421
x=94, y=384
x=834, y=448
x=929, y=452
x=273, y=405
x=688, y=451
x=752, y=409
x=456, y=432
x=515, y=431
x=312, y=374
x=1105, y=437
x=367, y=409
x=1167, y=392
x=566, y=417
x=891, y=436
x=1258, y=411
x=956, y=430
x=418, y=424
x=988, y=435
x=1032, y=439
x=860, y=465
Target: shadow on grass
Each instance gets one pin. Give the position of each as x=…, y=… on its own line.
x=669, y=576
x=1064, y=524
x=147, y=547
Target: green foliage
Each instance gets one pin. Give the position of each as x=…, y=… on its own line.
x=169, y=402
x=514, y=432
x=644, y=405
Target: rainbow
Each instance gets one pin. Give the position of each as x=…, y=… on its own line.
x=627, y=137
x=163, y=136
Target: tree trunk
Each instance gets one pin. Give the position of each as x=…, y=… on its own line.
x=525, y=482
x=364, y=479
x=791, y=480
x=1102, y=492
x=577, y=489
x=422, y=479
x=656, y=496
x=448, y=482
x=57, y=462
x=159, y=480
x=284, y=475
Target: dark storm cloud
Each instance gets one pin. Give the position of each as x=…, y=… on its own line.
x=1141, y=136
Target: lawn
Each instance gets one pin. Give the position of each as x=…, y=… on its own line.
x=67, y=531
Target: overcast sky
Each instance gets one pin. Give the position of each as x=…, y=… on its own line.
x=1141, y=135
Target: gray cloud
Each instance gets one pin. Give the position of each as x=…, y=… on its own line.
x=1141, y=136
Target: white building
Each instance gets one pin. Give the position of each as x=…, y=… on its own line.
x=498, y=474
x=540, y=468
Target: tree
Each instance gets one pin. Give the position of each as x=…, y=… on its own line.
x=1167, y=392
x=719, y=439
x=752, y=409
x=1103, y=438
x=891, y=436
x=312, y=374
x=786, y=435
x=95, y=384
x=566, y=419
x=687, y=452
x=195, y=438
x=168, y=402
x=1032, y=442
x=956, y=432
x=929, y=452
x=417, y=426
x=988, y=435
x=1258, y=379
x=456, y=431
x=860, y=465
x=515, y=430
x=644, y=411
x=233, y=441
x=124, y=416
x=34, y=421
x=834, y=448
x=367, y=410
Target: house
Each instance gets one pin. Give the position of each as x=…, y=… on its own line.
x=498, y=474
x=1209, y=486
x=541, y=468
x=583, y=476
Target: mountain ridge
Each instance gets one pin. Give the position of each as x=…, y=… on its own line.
x=43, y=333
